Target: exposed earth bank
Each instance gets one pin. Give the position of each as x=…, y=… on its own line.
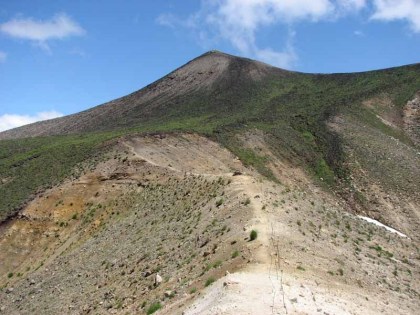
x=163, y=217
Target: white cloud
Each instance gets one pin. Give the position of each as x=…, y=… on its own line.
x=3, y=56
x=283, y=59
x=250, y=14
x=392, y=10
x=40, y=32
x=9, y=121
x=351, y=4
x=239, y=21
x=167, y=19
x=172, y=21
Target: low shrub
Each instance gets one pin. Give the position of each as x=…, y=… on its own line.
x=209, y=281
x=253, y=235
x=154, y=307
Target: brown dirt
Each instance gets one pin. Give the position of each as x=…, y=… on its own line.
x=157, y=209
x=309, y=257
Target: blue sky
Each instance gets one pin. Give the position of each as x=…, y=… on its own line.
x=60, y=57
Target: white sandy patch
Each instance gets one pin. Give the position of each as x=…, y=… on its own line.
x=261, y=292
x=390, y=229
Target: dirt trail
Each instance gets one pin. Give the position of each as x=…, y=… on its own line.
x=268, y=285
x=263, y=277
x=274, y=281
x=310, y=257
x=194, y=155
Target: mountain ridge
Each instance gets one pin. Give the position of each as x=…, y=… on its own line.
x=222, y=96
x=79, y=122
x=67, y=124
x=224, y=180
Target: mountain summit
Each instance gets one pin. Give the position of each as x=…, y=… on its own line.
x=211, y=74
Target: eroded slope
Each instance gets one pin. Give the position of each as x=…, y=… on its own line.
x=314, y=256
x=384, y=161
x=170, y=205
x=97, y=243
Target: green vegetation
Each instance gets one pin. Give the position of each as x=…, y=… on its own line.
x=10, y=275
x=207, y=268
x=217, y=264
x=290, y=108
x=118, y=304
x=235, y=254
x=214, y=265
x=193, y=290
x=209, y=281
x=381, y=252
x=154, y=308
x=253, y=235
x=250, y=158
x=31, y=165
x=323, y=171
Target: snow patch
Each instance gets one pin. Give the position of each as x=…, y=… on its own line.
x=390, y=229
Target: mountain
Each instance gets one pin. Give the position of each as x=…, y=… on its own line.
x=172, y=179
x=175, y=95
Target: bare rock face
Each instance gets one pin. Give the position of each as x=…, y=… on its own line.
x=411, y=118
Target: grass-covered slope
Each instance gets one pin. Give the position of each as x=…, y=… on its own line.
x=218, y=95
x=30, y=165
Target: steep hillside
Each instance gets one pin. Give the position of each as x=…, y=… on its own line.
x=221, y=96
x=171, y=180
x=162, y=217
x=179, y=95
